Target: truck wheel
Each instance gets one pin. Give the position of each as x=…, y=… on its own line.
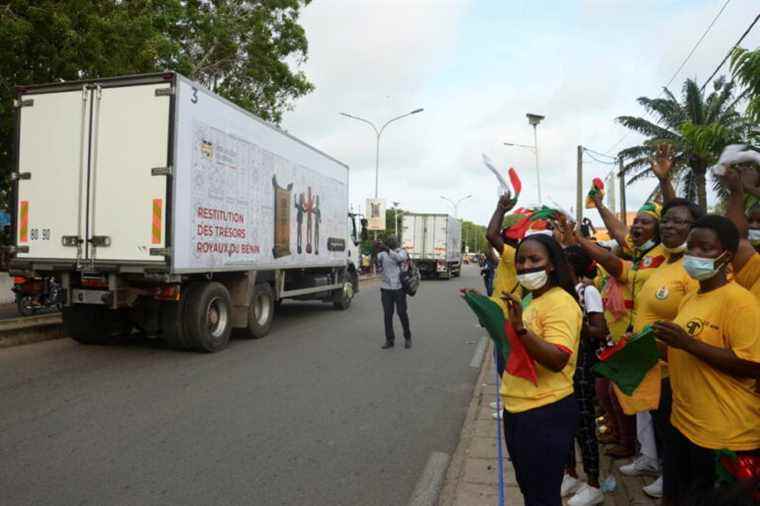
x=172, y=329
x=207, y=316
x=91, y=324
x=342, y=297
x=261, y=311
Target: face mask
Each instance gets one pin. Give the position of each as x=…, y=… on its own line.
x=754, y=235
x=701, y=268
x=533, y=280
x=677, y=249
x=647, y=245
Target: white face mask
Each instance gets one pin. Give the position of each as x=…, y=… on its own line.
x=754, y=235
x=533, y=280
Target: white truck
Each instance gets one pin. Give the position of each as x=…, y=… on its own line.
x=434, y=242
x=162, y=207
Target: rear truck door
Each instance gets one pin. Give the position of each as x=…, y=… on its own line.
x=53, y=131
x=129, y=173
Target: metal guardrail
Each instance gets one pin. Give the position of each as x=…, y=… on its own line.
x=27, y=322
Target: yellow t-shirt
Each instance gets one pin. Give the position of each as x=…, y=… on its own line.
x=557, y=318
x=749, y=276
x=635, y=274
x=505, y=277
x=713, y=409
x=661, y=294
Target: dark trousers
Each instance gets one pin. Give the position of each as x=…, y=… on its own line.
x=537, y=442
x=688, y=470
x=661, y=418
x=395, y=299
x=584, y=383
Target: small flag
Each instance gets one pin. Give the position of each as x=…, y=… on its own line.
x=515, y=180
x=627, y=363
x=519, y=363
x=597, y=188
x=501, y=332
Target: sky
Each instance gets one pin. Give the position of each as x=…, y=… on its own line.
x=477, y=67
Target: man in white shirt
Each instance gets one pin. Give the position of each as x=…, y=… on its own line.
x=391, y=258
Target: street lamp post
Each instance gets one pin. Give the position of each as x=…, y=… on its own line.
x=455, y=205
x=534, y=120
x=378, y=133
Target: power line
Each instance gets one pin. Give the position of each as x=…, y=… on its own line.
x=746, y=32
x=699, y=42
x=683, y=64
x=598, y=153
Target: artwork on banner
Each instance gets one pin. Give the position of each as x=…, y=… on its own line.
x=376, y=214
x=249, y=204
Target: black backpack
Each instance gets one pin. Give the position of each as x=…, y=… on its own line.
x=410, y=278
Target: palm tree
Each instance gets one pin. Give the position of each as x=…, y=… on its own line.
x=745, y=66
x=697, y=127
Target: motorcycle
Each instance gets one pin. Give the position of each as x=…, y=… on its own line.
x=37, y=295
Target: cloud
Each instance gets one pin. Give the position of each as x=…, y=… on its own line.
x=477, y=68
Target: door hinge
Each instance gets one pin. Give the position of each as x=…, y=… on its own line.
x=17, y=176
x=71, y=241
x=164, y=92
x=160, y=252
x=161, y=171
x=100, y=241
x=24, y=102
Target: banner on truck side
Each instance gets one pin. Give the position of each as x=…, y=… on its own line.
x=249, y=196
x=375, y=214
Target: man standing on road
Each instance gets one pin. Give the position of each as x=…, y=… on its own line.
x=391, y=258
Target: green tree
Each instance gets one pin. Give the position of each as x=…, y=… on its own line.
x=247, y=51
x=697, y=126
x=745, y=66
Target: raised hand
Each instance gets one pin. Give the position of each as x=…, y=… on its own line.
x=733, y=180
x=506, y=202
x=662, y=162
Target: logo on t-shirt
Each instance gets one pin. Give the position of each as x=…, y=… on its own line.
x=662, y=293
x=695, y=326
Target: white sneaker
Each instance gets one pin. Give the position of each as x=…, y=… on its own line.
x=642, y=465
x=587, y=496
x=570, y=485
x=498, y=415
x=493, y=405
x=654, y=489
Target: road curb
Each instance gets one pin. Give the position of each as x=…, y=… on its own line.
x=30, y=329
x=456, y=465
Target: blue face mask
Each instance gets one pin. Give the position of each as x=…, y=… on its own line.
x=754, y=235
x=701, y=268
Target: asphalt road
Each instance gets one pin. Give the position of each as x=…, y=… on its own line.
x=313, y=414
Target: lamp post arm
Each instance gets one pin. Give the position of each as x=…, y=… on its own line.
x=391, y=121
x=357, y=118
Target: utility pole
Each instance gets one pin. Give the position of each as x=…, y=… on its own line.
x=579, y=192
x=622, y=192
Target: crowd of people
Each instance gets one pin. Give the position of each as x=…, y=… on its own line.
x=691, y=278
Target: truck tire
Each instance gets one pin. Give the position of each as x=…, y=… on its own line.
x=172, y=328
x=207, y=316
x=342, y=297
x=261, y=311
x=91, y=324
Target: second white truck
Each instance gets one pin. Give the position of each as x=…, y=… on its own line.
x=434, y=242
x=161, y=206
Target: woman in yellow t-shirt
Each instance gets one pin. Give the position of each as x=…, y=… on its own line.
x=540, y=419
x=713, y=357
